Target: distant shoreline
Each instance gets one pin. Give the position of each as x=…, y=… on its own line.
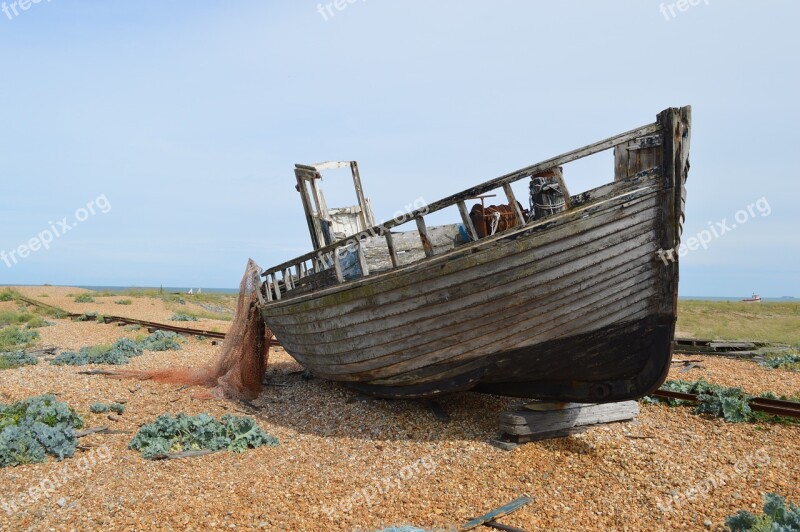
x=185, y=289
x=167, y=289
x=784, y=299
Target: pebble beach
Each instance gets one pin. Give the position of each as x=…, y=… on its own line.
x=350, y=462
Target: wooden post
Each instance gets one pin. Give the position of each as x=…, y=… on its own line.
x=512, y=202
x=337, y=267
x=390, y=246
x=313, y=228
x=275, y=284
x=366, y=220
x=423, y=236
x=362, y=259
x=467, y=221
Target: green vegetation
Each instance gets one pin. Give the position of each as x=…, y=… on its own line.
x=168, y=434
x=37, y=322
x=731, y=404
x=31, y=321
x=162, y=341
x=103, y=293
x=179, y=316
x=777, y=517
x=732, y=320
x=33, y=428
x=16, y=359
x=13, y=339
x=217, y=313
x=7, y=294
x=133, y=327
x=220, y=305
x=119, y=353
x=87, y=316
x=99, y=408
x=49, y=311
x=790, y=361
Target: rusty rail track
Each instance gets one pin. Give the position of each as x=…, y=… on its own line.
x=776, y=407
x=150, y=325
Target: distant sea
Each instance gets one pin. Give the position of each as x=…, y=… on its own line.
x=185, y=289
x=711, y=298
x=167, y=289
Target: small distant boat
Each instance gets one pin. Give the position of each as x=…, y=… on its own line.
x=755, y=298
x=572, y=301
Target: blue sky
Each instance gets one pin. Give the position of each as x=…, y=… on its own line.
x=188, y=116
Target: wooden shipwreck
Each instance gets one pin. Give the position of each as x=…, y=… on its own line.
x=577, y=303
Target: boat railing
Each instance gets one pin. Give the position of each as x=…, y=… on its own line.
x=291, y=273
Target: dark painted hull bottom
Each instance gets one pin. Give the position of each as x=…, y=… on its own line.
x=616, y=363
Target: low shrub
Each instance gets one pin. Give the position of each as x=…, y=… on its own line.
x=17, y=359
x=179, y=316
x=13, y=339
x=99, y=408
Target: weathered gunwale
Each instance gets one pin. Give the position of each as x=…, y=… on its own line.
x=385, y=281
x=502, y=264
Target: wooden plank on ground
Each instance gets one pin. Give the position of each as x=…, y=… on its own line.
x=547, y=423
x=506, y=509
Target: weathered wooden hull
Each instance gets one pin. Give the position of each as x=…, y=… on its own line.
x=576, y=307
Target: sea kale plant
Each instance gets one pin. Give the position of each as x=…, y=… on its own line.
x=13, y=339
x=731, y=404
x=36, y=427
x=777, y=517
x=17, y=359
x=121, y=351
x=180, y=316
x=790, y=361
x=174, y=434
x=100, y=408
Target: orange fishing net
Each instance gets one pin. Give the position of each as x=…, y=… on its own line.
x=239, y=368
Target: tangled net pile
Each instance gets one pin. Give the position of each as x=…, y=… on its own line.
x=239, y=368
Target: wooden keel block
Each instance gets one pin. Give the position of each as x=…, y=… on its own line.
x=563, y=419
